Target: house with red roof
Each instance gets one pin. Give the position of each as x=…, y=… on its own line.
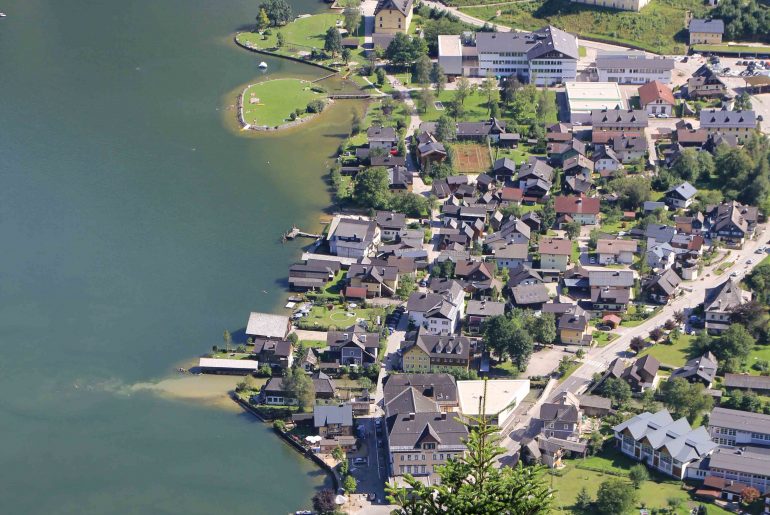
x=579, y=207
x=657, y=99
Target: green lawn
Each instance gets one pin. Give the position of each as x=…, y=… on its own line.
x=475, y=107
x=603, y=338
x=321, y=318
x=675, y=354
x=733, y=49
x=519, y=155
x=759, y=352
x=306, y=33
x=575, y=252
x=277, y=99
x=653, y=493
x=314, y=343
x=658, y=28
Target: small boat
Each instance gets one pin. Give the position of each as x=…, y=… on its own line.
x=3, y=15
x=263, y=65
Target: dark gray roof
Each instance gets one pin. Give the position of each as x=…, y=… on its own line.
x=740, y=420
x=668, y=281
x=610, y=118
x=722, y=118
x=747, y=381
x=707, y=26
x=380, y=133
x=723, y=297
x=325, y=415
x=618, y=278
x=634, y=60
x=737, y=460
x=704, y=367
x=403, y=6
x=530, y=294
x=440, y=387
x=390, y=220
x=484, y=308
x=573, y=321
x=533, y=44
x=447, y=346
x=408, y=430
x=684, y=191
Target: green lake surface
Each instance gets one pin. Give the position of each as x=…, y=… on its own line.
x=137, y=225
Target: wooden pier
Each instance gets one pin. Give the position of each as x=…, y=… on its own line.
x=296, y=233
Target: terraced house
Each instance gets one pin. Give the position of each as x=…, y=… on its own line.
x=434, y=353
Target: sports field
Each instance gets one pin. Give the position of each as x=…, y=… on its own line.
x=471, y=158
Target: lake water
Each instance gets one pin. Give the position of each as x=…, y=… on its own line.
x=136, y=226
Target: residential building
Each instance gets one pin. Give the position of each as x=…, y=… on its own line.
x=497, y=399
x=439, y=313
x=379, y=281
x=616, y=251
x=707, y=31
x=757, y=384
x=585, y=97
x=512, y=255
x=421, y=435
x=618, y=119
x=549, y=55
x=662, y=443
x=478, y=311
x=392, y=225
x=642, y=374
x=633, y=67
x=429, y=149
x=529, y=296
x=606, y=161
x=560, y=151
x=435, y=353
x=573, y=327
x=352, y=346
x=611, y=290
x=705, y=83
x=382, y=138
x=276, y=353
x=535, y=177
x=579, y=207
x=660, y=256
x=332, y=421
x=739, y=124
x=690, y=224
x=274, y=392
x=440, y=388
x=503, y=169
x=662, y=287
x=719, y=303
x=268, y=326
x=629, y=150
x=555, y=253
x=623, y=5
x=313, y=274
x=682, y=196
x=351, y=237
x=702, y=369
x=731, y=222
x=391, y=16
x=561, y=418
x=657, y=99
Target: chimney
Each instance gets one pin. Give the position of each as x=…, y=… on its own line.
x=411, y=415
x=443, y=415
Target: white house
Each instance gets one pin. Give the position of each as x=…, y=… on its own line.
x=633, y=67
x=616, y=251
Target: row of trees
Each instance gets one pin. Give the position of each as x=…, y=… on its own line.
x=371, y=190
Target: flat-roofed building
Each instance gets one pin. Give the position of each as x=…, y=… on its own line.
x=583, y=97
x=633, y=67
x=499, y=398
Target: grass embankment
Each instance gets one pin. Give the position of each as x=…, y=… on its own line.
x=659, y=27
x=272, y=102
x=733, y=49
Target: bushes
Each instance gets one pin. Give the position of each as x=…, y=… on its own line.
x=315, y=106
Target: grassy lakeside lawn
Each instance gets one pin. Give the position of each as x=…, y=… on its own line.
x=278, y=98
x=657, y=28
x=307, y=32
x=675, y=354
x=733, y=49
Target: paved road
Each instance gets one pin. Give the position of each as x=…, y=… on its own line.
x=599, y=358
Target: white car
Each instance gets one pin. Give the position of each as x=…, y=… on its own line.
x=749, y=261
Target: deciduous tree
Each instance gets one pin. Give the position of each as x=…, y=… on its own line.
x=371, y=188
x=278, y=11
x=685, y=399
x=615, y=496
